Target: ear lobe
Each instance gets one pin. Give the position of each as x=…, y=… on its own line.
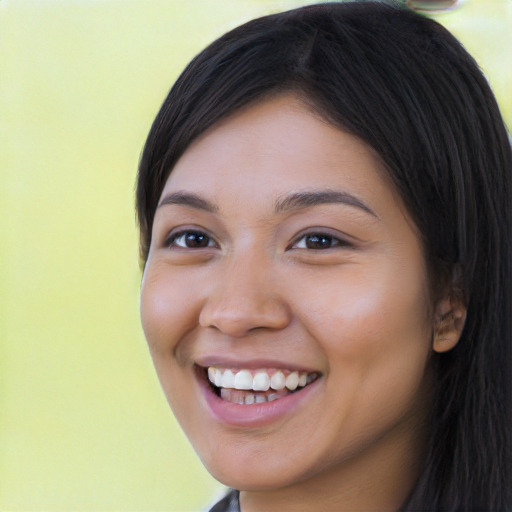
x=449, y=322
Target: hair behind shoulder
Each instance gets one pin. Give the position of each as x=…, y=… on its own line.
x=405, y=86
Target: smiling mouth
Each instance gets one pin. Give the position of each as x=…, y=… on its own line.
x=247, y=387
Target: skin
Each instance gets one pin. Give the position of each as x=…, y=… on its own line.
x=357, y=311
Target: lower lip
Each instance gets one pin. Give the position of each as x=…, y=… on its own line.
x=255, y=415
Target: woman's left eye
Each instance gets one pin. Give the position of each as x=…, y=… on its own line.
x=190, y=240
x=318, y=241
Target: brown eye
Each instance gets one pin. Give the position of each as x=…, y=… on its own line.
x=318, y=241
x=191, y=240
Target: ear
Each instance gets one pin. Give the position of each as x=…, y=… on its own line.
x=450, y=317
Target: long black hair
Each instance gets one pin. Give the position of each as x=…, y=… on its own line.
x=406, y=87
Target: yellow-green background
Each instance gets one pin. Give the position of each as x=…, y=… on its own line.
x=83, y=423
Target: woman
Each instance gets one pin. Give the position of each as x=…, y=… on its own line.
x=324, y=207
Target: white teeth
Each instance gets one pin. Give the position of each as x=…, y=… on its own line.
x=250, y=399
x=228, y=379
x=243, y=380
x=278, y=381
x=218, y=378
x=292, y=381
x=272, y=397
x=261, y=382
x=260, y=399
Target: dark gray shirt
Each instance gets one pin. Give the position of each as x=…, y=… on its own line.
x=230, y=503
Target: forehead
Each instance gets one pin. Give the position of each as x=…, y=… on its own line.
x=276, y=147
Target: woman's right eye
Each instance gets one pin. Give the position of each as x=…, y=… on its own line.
x=190, y=239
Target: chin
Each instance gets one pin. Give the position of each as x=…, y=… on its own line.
x=256, y=472
x=254, y=481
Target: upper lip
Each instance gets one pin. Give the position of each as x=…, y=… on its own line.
x=224, y=361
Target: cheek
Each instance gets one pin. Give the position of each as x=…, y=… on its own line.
x=166, y=309
x=377, y=346
x=371, y=318
x=167, y=316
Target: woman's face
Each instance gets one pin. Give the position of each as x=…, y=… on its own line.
x=281, y=257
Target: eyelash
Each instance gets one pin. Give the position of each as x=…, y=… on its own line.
x=326, y=240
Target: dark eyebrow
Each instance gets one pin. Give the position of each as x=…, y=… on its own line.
x=188, y=199
x=302, y=200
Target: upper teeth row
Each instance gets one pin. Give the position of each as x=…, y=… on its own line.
x=260, y=381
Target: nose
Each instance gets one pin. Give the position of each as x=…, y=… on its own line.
x=245, y=298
